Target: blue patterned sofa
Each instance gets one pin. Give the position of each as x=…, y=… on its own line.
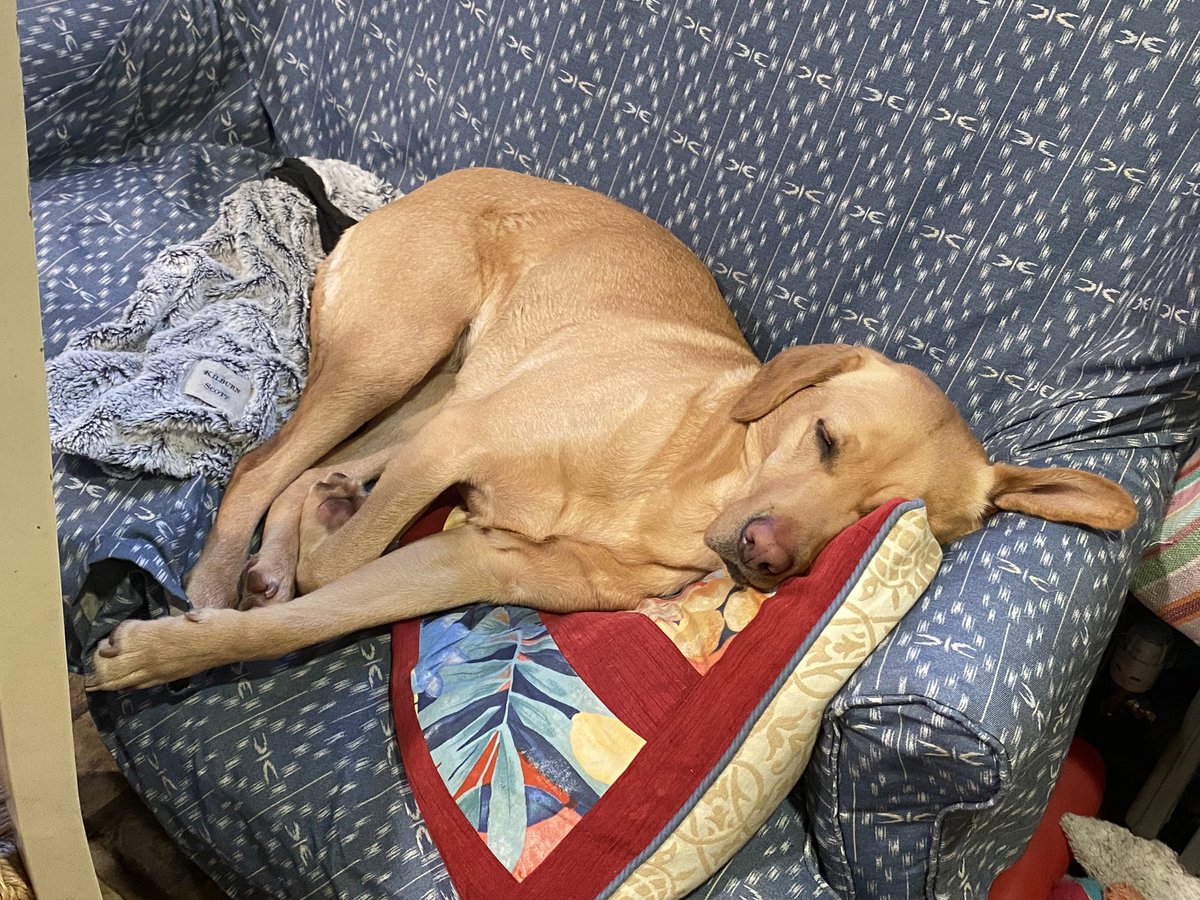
x=1005, y=195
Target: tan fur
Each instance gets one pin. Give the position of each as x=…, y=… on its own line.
x=573, y=369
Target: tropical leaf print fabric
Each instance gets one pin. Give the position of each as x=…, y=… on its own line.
x=524, y=746
x=515, y=725
x=705, y=617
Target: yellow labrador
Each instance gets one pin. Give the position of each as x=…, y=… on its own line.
x=572, y=368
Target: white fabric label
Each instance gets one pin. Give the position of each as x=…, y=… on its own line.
x=219, y=386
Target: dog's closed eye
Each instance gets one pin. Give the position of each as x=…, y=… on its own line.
x=826, y=442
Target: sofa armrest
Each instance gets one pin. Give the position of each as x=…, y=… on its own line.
x=936, y=760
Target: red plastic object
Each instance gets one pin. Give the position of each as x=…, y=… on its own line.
x=1079, y=790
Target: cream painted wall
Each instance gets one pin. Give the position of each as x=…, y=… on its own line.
x=35, y=712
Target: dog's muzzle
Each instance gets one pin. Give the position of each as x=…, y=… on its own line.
x=761, y=548
x=756, y=554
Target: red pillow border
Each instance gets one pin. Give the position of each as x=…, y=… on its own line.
x=677, y=765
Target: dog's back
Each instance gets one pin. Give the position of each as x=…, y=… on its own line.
x=544, y=255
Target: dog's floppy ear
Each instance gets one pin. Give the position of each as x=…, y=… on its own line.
x=791, y=371
x=1063, y=495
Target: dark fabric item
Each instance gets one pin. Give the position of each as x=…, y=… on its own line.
x=331, y=221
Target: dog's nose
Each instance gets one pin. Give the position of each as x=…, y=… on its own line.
x=761, y=547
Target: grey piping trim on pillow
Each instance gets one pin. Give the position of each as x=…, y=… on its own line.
x=764, y=701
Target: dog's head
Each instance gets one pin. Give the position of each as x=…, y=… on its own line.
x=835, y=431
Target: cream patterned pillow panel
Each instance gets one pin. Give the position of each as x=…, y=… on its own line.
x=764, y=768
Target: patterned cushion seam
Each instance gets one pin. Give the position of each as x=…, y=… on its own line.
x=809, y=858
x=1003, y=782
x=258, y=74
x=840, y=857
x=1003, y=765
x=240, y=49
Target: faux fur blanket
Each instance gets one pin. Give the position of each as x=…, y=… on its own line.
x=209, y=355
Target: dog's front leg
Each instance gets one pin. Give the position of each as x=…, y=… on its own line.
x=459, y=566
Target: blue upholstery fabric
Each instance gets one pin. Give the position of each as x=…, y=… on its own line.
x=777, y=863
x=282, y=780
x=103, y=78
x=1007, y=196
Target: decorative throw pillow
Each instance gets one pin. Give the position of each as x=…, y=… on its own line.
x=1168, y=578
x=631, y=754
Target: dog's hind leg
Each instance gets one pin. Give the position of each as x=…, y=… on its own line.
x=270, y=575
x=362, y=362
x=342, y=529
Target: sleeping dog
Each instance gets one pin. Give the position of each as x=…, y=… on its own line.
x=572, y=368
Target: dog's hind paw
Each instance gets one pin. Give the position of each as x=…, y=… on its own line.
x=335, y=499
x=259, y=586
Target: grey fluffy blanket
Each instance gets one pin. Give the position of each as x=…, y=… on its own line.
x=208, y=357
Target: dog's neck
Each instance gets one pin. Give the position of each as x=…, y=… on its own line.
x=715, y=453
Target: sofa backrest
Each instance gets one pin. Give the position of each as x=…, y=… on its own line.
x=1004, y=195
x=108, y=80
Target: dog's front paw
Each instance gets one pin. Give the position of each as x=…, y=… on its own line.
x=142, y=654
x=124, y=659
